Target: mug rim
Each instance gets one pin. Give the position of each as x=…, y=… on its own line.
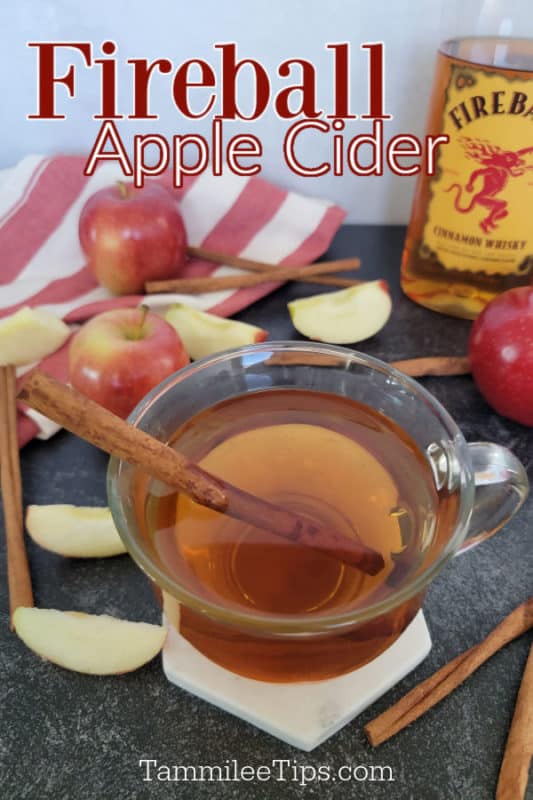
x=291, y=624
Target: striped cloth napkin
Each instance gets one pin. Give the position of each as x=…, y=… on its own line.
x=42, y=263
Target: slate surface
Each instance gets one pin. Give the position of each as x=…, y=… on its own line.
x=67, y=736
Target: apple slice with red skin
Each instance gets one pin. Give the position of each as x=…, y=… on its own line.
x=131, y=236
x=344, y=317
x=501, y=354
x=204, y=334
x=88, y=643
x=119, y=356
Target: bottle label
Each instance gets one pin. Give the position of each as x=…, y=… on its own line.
x=480, y=212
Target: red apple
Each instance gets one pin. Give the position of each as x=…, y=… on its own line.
x=118, y=356
x=501, y=354
x=131, y=236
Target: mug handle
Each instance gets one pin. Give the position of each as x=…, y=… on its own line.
x=502, y=486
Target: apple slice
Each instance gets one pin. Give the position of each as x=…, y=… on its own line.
x=29, y=335
x=343, y=317
x=94, y=645
x=203, y=334
x=74, y=531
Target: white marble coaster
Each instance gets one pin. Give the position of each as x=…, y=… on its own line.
x=302, y=714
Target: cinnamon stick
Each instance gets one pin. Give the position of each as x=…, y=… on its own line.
x=11, y=386
x=414, y=367
x=431, y=691
x=259, y=266
x=514, y=772
x=215, y=284
x=18, y=571
x=433, y=365
x=92, y=422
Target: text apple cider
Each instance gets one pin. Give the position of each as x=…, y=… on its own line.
x=325, y=456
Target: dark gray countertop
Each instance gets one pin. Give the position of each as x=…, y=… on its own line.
x=72, y=737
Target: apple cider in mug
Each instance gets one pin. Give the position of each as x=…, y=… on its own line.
x=325, y=456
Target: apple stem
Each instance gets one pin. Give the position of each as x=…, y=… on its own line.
x=144, y=311
x=123, y=190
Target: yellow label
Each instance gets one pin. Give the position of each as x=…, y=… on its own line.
x=480, y=213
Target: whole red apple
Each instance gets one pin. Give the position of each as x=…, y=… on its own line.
x=131, y=236
x=118, y=356
x=501, y=354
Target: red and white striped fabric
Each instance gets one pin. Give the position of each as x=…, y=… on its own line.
x=42, y=263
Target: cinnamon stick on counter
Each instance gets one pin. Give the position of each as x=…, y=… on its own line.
x=259, y=266
x=18, y=571
x=514, y=772
x=92, y=422
x=433, y=365
x=215, y=284
x=414, y=367
x=431, y=691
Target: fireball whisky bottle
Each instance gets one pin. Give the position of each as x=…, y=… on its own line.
x=471, y=230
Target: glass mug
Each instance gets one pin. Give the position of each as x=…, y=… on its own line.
x=486, y=481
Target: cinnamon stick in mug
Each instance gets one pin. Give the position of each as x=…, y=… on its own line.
x=110, y=433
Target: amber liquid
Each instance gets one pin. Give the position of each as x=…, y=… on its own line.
x=326, y=456
x=461, y=292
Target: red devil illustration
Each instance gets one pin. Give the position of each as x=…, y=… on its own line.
x=498, y=166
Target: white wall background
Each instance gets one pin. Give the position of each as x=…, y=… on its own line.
x=269, y=30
